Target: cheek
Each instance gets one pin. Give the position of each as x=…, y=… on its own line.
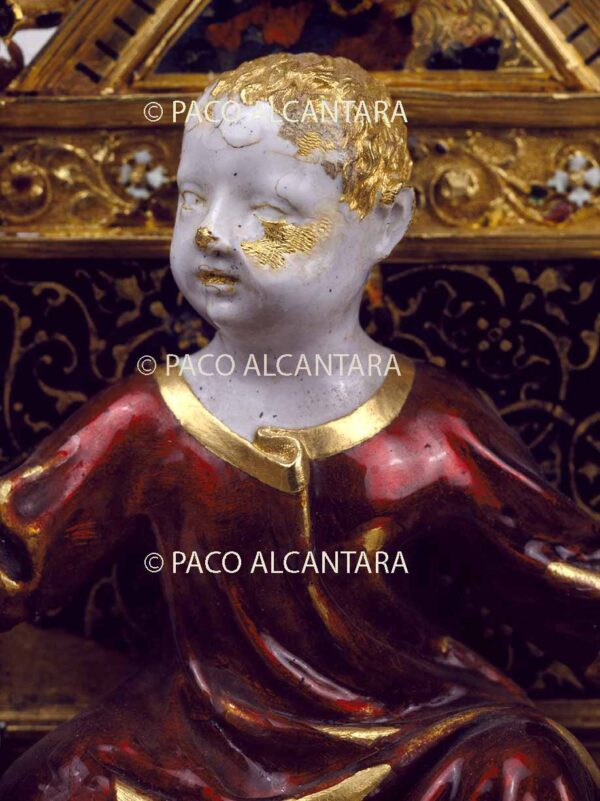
x=183, y=260
x=282, y=239
x=179, y=248
x=180, y=274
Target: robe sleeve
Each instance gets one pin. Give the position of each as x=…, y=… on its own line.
x=62, y=511
x=536, y=552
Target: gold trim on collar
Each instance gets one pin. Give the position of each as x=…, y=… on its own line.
x=280, y=457
x=280, y=461
x=364, y=422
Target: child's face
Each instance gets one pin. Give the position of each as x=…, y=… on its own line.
x=261, y=234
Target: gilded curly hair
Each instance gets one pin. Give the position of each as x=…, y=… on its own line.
x=369, y=149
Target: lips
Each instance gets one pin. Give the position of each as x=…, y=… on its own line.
x=216, y=278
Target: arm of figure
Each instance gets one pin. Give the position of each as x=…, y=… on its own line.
x=537, y=553
x=63, y=509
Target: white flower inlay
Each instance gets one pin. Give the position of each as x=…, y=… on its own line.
x=579, y=196
x=592, y=177
x=574, y=183
x=138, y=178
x=559, y=181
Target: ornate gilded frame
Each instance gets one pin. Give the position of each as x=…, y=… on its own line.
x=481, y=144
x=484, y=144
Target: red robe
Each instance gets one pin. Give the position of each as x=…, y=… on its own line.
x=322, y=685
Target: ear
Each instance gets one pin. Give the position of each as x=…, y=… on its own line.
x=392, y=221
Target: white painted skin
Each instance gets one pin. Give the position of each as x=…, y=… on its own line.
x=229, y=173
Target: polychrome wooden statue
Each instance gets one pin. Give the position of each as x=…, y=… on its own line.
x=301, y=681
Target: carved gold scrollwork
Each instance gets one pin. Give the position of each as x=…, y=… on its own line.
x=448, y=24
x=25, y=190
x=464, y=192
x=119, y=184
x=508, y=179
x=35, y=173
x=584, y=459
x=85, y=181
x=509, y=328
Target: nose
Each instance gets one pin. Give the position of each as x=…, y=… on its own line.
x=213, y=236
x=207, y=242
x=204, y=238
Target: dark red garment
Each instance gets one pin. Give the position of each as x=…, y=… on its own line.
x=284, y=684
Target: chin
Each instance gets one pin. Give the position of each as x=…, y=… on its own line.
x=228, y=311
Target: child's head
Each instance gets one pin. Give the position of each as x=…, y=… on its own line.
x=291, y=184
x=330, y=115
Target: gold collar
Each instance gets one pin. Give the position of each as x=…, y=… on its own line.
x=280, y=457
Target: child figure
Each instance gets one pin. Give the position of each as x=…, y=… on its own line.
x=290, y=684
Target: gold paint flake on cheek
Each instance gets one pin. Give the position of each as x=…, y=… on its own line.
x=283, y=238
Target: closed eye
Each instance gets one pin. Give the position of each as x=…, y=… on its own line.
x=270, y=212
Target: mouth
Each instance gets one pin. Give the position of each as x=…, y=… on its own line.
x=216, y=278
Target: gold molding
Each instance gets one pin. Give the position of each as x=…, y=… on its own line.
x=189, y=9
x=429, y=107
x=78, y=34
x=509, y=80
x=496, y=247
x=164, y=26
x=129, y=54
x=75, y=41
x=550, y=38
x=63, y=46
x=582, y=716
x=474, y=177
x=415, y=248
x=588, y=9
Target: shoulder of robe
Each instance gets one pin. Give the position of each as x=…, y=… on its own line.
x=130, y=402
x=441, y=389
x=470, y=410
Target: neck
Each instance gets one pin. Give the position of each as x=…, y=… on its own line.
x=347, y=339
x=275, y=394
x=338, y=334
